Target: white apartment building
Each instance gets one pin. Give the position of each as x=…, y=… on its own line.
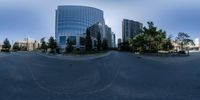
x=195, y=47
x=28, y=44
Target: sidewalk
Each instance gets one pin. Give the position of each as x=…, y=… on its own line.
x=3, y=54
x=75, y=57
x=166, y=60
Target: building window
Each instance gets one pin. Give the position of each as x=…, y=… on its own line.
x=73, y=39
x=82, y=41
x=62, y=40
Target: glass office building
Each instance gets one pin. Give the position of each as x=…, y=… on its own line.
x=72, y=22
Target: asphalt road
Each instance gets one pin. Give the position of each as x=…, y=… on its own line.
x=119, y=76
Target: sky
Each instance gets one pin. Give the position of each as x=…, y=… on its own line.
x=36, y=18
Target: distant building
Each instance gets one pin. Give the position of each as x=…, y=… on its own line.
x=0, y=46
x=113, y=40
x=28, y=44
x=94, y=30
x=197, y=42
x=177, y=47
x=195, y=47
x=130, y=28
x=119, y=41
x=36, y=45
x=108, y=33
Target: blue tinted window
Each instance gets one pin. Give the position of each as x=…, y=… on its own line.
x=62, y=40
x=73, y=39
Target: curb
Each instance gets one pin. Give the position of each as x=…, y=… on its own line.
x=3, y=55
x=77, y=58
x=171, y=59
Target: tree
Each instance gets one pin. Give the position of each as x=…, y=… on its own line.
x=52, y=44
x=99, y=41
x=167, y=44
x=160, y=39
x=138, y=43
x=154, y=37
x=6, y=45
x=16, y=47
x=183, y=39
x=69, y=47
x=88, y=41
x=43, y=45
x=105, y=44
x=125, y=46
x=151, y=40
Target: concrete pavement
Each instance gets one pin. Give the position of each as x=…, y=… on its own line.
x=169, y=60
x=75, y=57
x=3, y=54
x=119, y=76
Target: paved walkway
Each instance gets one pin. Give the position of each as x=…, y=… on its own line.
x=166, y=60
x=76, y=57
x=119, y=76
x=3, y=54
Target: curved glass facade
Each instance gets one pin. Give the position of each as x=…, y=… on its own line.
x=72, y=21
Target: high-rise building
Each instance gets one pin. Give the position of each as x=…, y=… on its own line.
x=119, y=41
x=130, y=28
x=113, y=40
x=108, y=36
x=94, y=30
x=72, y=22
